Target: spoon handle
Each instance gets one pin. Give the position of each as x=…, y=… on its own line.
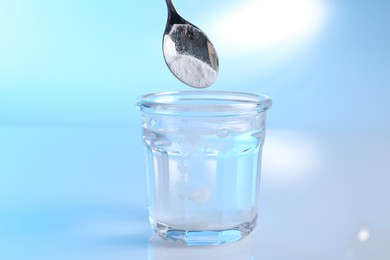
x=171, y=7
x=173, y=15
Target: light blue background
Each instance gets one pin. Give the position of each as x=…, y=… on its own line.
x=84, y=63
x=71, y=158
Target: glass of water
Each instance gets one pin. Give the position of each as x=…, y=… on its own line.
x=203, y=153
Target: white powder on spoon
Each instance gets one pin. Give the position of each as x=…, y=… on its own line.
x=189, y=69
x=192, y=71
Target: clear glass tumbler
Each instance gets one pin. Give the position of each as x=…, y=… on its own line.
x=203, y=153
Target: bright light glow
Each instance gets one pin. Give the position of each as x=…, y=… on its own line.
x=289, y=157
x=363, y=235
x=259, y=24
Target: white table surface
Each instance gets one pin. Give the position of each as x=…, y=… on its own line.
x=80, y=193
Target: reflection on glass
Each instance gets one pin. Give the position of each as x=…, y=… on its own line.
x=160, y=249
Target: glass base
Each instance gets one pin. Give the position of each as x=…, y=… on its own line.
x=205, y=237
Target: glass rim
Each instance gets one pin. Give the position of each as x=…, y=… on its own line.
x=203, y=103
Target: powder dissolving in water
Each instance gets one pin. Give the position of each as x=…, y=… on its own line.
x=187, y=68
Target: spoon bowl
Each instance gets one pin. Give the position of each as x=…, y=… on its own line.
x=188, y=52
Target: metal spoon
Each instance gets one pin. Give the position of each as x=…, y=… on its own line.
x=188, y=52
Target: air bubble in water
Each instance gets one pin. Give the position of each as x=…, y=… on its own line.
x=222, y=133
x=154, y=122
x=183, y=168
x=209, y=151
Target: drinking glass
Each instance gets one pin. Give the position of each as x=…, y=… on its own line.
x=203, y=157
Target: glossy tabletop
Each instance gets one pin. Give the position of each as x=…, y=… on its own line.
x=80, y=193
